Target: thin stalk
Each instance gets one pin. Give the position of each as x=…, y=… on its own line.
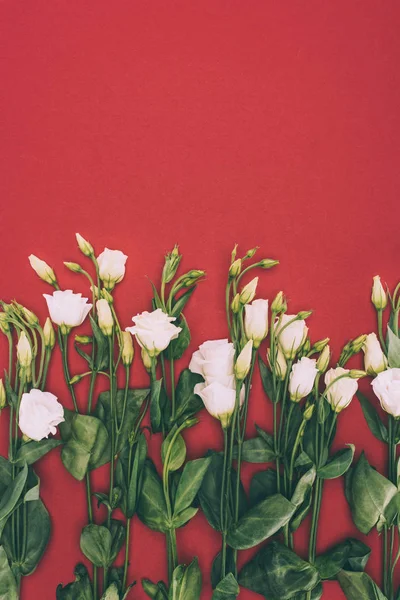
x=63, y=341
x=112, y=410
x=224, y=502
x=126, y=560
x=379, y=315
x=172, y=375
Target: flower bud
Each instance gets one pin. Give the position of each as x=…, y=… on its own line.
x=243, y=361
x=83, y=339
x=24, y=351
x=95, y=291
x=321, y=344
x=357, y=344
x=235, y=268
x=374, y=360
x=171, y=265
x=4, y=324
x=279, y=303
x=106, y=321
x=233, y=254
x=105, y=294
x=306, y=345
x=84, y=246
x=192, y=277
x=48, y=334
x=323, y=360
x=378, y=296
x=268, y=263
x=30, y=317
x=280, y=365
x=308, y=412
x=251, y=253
x=74, y=267
x=249, y=291
x=235, y=306
x=75, y=379
x=127, y=349
x=3, y=399
x=42, y=269
x=356, y=374
x=304, y=314
x=146, y=359
x=256, y=321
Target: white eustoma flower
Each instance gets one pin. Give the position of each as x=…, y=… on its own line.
x=340, y=393
x=67, y=309
x=24, y=351
x=290, y=337
x=39, y=414
x=218, y=399
x=42, y=269
x=256, y=321
x=106, y=321
x=243, y=361
x=249, y=291
x=302, y=377
x=386, y=387
x=111, y=267
x=374, y=360
x=154, y=331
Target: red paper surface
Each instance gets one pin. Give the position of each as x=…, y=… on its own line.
x=142, y=124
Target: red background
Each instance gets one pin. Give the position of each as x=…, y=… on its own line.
x=141, y=124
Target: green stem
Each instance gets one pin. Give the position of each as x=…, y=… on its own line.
x=112, y=410
x=224, y=502
x=379, y=314
x=172, y=374
x=63, y=341
x=126, y=560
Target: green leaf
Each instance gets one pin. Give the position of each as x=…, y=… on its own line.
x=5, y=474
x=262, y=485
x=190, y=482
x=12, y=495
x=155, y=406
x=216, y=568
x=37, y=535
x=130, y=482
x=30, y=452
x=152, y=509
x=359, y=586
x=178, y=346
x=373, y=420
x=135, y=399
x=156, y=591
x=260, y=522
x=186, y=582
x=173, y=450
x=85, y=438
x=338, y=464
x=117, y=530
x=393, y=349
x=111, y=593
x=8, y=585
x=303, y=487
x=256, y=450
x=369, y=494
x=80, y=589
x=277, y=573
x=227, y=589
x=102, y=350
x=350, y=555
x=267, y=379
x=187, y=402
x=180, y=519
x=95, y=544
x=181, y=302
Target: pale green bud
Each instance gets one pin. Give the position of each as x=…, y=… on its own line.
x=127, y=348
x=268, y=263
x=83, y=339
x=235, y=268
x=233, y=254
x=105, y=294
x=304, y=314
x=248, y=292
x=95, y=291
x=42, y=269
x=235, y=306
x=320, y=344
x=4, y=324
x=172, y=260
x=357, y=344
x=279, y=303
x=75, y=379
x=24, y=351
x=84, y=246
x=74, y=267
x=323, y=360
x=106, y=321
x=48, y=334
x=356, y=374
x=146, y=360
x=30, y=317
x=192, y=277
x=308, y=412
x=243, y=361
x=3, y=399
x=250, y=253
x=378, y=296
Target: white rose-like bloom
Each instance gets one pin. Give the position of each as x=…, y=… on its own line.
x=374, y=360
x=290, y=337
x=111, y=267
x=386, y=387
x=154, y=331
x=214, y=361
x=302, y=377
x=256, y=321
x=219, y=400
x=39, y=414
x=340, y=394
x=42, y=269
x=67, y=309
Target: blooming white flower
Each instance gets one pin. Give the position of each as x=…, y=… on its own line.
x=256, y=321
x=290, y=337
x=302, y=377
x=378, y=296
x=154, y=331
x=340, y=393
x=67, y=309
x=374, y=360
x=42, y=269
x=106, y=321
x=111, y=267
x=243, y=361
x=386, y=387
x=218, y=399
x=39, y=414
x=24, y=351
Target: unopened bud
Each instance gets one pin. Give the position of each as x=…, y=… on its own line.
x=357, y=344
x=75, y=379
x=95, y=291
x=320, y=344
x=48, y=334
x=146, y=360
x=304, y=314
x=106, y=321
x=243, y=361
x=323, y=360
x=379, y=296
x=233, y=254
x=74, y=267
x=250, y=253
x=306, y=345
x=191, y=422
x=235, y=306
x=30, y=317
x=268, y=263
x=24, y=351
x=249, y=291
x=192, y=277
x=83, y=339
x=84, y=246
x=171, y=265
x=127, y=348
x=279, y=303
x=4, y=324
x=235, y=268
x=308, y=412
x=3, y=399
x=356, y=374
x=105, y=294
x=42, y=269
